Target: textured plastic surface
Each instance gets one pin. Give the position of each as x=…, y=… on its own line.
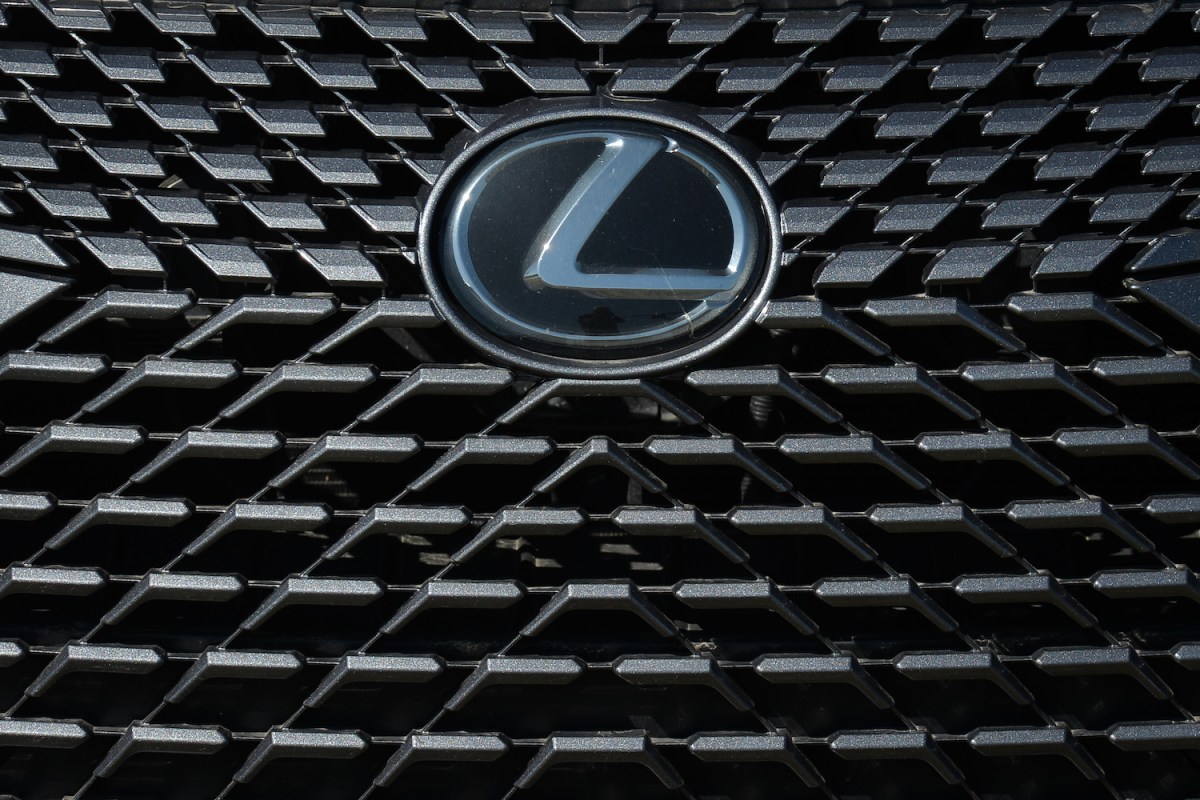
x=926, y=528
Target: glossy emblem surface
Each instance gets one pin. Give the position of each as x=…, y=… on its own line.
x=599, y=243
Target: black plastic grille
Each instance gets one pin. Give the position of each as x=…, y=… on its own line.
x=271, y=530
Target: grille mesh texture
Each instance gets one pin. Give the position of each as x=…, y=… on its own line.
x=269, y=528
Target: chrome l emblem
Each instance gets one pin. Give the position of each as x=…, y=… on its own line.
x=603, y=241
x=553, y=258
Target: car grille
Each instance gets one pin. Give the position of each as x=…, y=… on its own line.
x=927, y=530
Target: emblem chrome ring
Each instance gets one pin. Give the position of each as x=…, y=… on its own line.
x=451, y=194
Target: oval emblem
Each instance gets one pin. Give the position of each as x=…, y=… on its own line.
x=607, y=245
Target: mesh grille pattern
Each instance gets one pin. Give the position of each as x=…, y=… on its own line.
x=927, y=530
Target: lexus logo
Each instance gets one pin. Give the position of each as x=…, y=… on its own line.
x=554, y=258
x=599, y=243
